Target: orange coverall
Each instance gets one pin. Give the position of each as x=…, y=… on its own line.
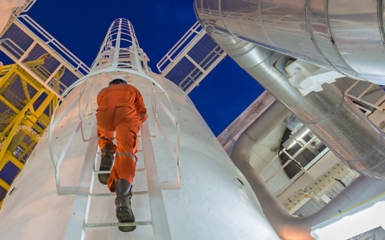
x=121, y=109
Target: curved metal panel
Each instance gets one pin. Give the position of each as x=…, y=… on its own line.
x=318, y=21
x=344, y=36
x=355, y=28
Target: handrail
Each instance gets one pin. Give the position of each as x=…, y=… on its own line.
x=55, y=45
x=178, y=48
x=25, y=8
x=171, y=113
x=15, y=51
x=29, y=6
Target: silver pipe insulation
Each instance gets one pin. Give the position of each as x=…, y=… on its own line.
x=333, y=118
x=345, y=36
x=287, y=226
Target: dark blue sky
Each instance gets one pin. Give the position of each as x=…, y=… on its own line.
x=81, y=26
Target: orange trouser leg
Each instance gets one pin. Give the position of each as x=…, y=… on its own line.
x=125, y=159
x=105, y=137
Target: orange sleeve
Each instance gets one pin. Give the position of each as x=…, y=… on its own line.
x=140, y=108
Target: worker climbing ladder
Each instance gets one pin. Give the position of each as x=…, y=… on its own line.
x=93, y=210
x=86, y=192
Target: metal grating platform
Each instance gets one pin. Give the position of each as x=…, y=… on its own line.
x=191, y=59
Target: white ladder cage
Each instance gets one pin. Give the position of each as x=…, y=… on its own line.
x=119, y=55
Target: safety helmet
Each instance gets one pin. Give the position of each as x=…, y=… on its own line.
x=117, y=79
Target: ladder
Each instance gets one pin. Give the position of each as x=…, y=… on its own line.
x=82, y=209
x=79, y=224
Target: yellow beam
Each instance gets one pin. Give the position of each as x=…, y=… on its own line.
x=29, y=79
x=45, y=104
x=7, y=76
x=9, y=104
x=45, y=119
x=4, y=148
x=34, y=63
x=1, y=203
x=6, y=130
x=55, y=103
x=19, y=118
x=6, y=67
x=32, y=136
x=25, y=88
x=4, y=185
x=28, y=149
x=39, y=113
x=23, y=145
x=10, y=158
x=28, y=122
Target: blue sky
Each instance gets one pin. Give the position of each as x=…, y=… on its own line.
x=81, y=26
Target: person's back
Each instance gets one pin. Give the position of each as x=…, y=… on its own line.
x=120, y=109
x=122, y=95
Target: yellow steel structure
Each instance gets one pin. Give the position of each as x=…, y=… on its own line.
x=24, y=122
x=29, y=89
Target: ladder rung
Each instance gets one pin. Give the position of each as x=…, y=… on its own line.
x=113, y=194
x=109, y=171
x=102, y=172
x=117, y=224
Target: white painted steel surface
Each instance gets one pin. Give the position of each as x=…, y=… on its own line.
x=6, y=8
x=213, y=201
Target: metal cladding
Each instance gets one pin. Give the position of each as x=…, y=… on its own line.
x=340, y=35
x=328, y=114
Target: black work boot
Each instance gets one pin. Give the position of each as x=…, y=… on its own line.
x=124, y=212
x=106, y=162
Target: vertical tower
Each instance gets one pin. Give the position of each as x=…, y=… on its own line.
x=186, y=187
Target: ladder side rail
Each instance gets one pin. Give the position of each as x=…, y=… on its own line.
x=157, y=206
x=80, y=208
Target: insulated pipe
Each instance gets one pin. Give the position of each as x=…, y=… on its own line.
x=333, y=118
x=287, y=226
x=327, y=33
x=269, y=120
